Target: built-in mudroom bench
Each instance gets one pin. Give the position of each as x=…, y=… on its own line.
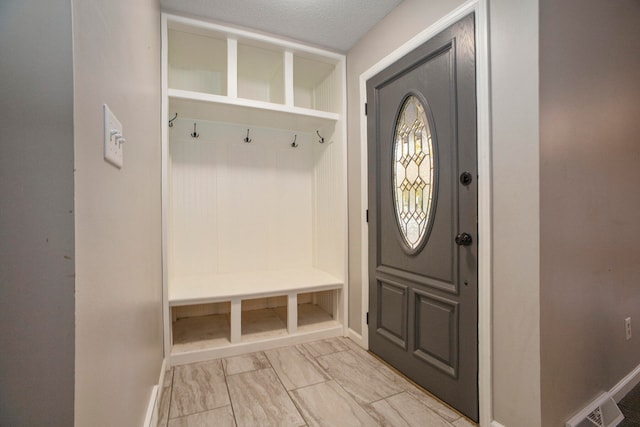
x=254, y=191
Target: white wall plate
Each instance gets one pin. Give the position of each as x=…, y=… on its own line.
x=113, y=138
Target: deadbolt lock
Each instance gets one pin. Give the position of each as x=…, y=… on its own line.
x=464, y=239
x=466, y=178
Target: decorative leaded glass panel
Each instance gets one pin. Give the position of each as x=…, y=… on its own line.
x=413, y=172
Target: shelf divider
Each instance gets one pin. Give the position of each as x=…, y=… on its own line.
x=288, y=78
x=232, y=68
x=235, y=322
x=292, y=313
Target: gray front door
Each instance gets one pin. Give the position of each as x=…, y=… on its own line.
x=423, y=291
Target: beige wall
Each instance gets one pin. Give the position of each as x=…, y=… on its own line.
x=515, y=144
x=118, y=247
x=589, y=199
x=36, y=214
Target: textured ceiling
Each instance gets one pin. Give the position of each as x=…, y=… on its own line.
x=334, y=24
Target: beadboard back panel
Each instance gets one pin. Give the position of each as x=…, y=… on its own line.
x=329, y=223
x=237, y=206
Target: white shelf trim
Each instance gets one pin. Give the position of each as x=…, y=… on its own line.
x=232, y=68
x=288, y=78
x=208, y=288
x=188, y=24
x=249, y=103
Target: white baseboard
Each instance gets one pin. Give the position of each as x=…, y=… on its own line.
x=626, y=384
x=229, y=350
x=496, y=424
x=151, y=409
x=356, y=337
x=151, y=419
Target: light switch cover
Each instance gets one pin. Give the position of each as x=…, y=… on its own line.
x=113, y=138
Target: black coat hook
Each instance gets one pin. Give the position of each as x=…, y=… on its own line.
x=247, y=139
x=294, y=144
x=194, y=134
x=320, y=136
x=171, y=120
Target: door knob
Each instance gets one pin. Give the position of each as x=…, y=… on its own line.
x=464, y=239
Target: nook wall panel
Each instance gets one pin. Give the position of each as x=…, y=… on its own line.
x=194, y=215
x=236, y=206
x=329, y=227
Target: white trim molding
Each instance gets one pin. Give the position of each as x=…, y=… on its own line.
x=480, y=9
x=151, y=418
x=356, y=337
x=620, y=390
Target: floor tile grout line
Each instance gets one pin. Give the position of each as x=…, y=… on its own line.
x=233, y=411
x=430, y=409
x=283, y=387
x=306, y=421
x=395, y=373
x=169, y=418
x=310, y=385
x=162, y=393
x=170, y=397
x=297, y=407
x=250, y=370
x=317, y=364
x=326, y=354
x=316, y=361
x=200, y=412
x=361, y=406
x=338, y=385
x=287, y=392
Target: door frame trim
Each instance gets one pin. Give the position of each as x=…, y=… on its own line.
x=480, y=8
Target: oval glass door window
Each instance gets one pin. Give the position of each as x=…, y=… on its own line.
x=413, y=173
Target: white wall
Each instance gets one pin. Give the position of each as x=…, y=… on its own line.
x=36, y=214
x=589, y=203
x=516, y=241
x=118, y=246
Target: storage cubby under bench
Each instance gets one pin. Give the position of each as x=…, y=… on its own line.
x=229, y=314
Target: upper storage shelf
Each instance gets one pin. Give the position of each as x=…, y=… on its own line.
x=203, y=106
x=226, y=74
x=197, y=62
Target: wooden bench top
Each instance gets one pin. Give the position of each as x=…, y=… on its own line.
x=207, y=288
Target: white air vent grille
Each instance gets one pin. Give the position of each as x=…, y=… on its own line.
x=602, y=412
x=596, y=417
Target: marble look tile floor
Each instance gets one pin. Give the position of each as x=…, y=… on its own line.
x=331, y=382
